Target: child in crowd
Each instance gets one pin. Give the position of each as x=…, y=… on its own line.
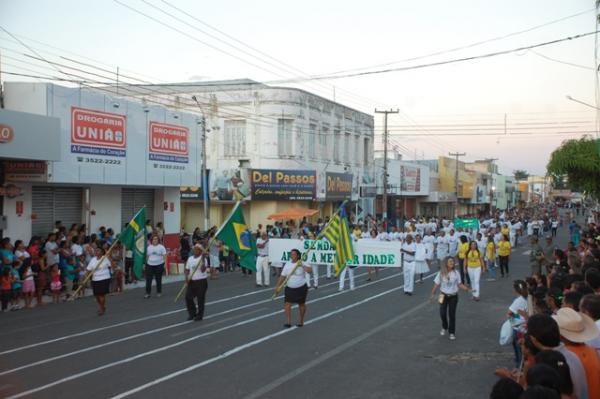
x=55, y=284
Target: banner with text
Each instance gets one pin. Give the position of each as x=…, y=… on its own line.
x=98, y=133
x=366, y=252
x=168, y=143
x=275, y=184
x=339, y=186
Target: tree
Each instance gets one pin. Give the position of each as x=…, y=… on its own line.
x=521, y=174
x=579, y=161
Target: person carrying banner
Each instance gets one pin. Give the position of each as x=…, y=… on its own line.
x=197, y=284
x=296, y=288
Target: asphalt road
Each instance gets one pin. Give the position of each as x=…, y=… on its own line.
x=373, y=342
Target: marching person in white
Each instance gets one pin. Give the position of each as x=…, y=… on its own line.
x=197, y=284
x=100, y=278
x=429, y=241
x=156, y=255
x=350, y=271
x=442, y=247
x=408, y=250
x=263, y=275
x=420, y=259
x=452, y=243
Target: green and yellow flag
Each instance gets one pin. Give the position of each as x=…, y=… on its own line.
x=134, y=239
x=237, y=236
x=337, y=233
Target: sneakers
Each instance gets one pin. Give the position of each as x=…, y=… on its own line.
x=443, y=332
x=158, y=295
x=452, y=337
x=146, y=296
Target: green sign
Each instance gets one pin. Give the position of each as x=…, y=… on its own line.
x=469, y=223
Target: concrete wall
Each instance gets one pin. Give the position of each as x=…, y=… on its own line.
x=18, y=226
x=106, y=202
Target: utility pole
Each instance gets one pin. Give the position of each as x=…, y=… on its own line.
x=456, y=154
x=203, y=166
x=385, y=159
x=492, y=170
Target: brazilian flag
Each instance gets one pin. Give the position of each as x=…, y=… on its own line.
x=237, y=236
x=134, y=239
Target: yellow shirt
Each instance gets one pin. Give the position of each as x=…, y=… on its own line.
x=504, y=231
x=490, y=251
x=473, y=259
x=357, y=233
x=462, y=250
x=504, y=248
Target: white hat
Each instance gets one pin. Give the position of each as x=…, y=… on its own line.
x=575, y=326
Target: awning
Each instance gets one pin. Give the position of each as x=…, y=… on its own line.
x=293, y=213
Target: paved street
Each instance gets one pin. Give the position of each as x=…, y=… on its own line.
x=372, y=342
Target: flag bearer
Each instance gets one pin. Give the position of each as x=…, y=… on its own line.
x=197, y=284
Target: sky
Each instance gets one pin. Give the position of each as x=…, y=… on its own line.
x=492, y=99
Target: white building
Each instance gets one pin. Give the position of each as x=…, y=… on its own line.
x=258, y=132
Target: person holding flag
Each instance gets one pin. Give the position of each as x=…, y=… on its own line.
x=197, y=282
x=293, y=276
x=133, y=238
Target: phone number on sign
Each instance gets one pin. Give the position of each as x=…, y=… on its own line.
x=175, y=167
x=99, y=160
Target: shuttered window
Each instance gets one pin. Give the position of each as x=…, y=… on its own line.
x=50, y=204
x=132, y=199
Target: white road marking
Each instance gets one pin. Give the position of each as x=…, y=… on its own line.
x=251, y=344
x=155, y=316
x=185, y=341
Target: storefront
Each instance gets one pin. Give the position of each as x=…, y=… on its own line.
x=113, y=156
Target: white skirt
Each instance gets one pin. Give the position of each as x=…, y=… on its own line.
x=421, y=267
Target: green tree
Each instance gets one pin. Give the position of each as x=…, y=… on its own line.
x=579, y=161
x=521, y=174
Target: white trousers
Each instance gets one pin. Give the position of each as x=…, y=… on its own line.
x=350, y=272
x=262, y=268
x=409, y=276
x=475, y=276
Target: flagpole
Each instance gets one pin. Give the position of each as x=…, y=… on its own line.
x=210, y=242
x=279, y=287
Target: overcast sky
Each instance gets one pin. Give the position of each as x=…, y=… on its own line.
x=527, y=89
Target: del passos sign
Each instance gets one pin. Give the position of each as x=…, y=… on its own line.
x=277, y=184
x=338, y=185
x=98, y=133
x=168, y=143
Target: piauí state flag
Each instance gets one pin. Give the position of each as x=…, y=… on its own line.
x=134, y=239
x=237, y=236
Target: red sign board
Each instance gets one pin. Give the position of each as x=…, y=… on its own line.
x=168, y=142
x=98, y=133
x=6, y=133
x=31, y=171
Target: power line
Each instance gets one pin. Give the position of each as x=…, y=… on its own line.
x=446, y=62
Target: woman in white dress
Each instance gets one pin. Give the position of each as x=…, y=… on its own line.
x=429, y=241
x=420, y=259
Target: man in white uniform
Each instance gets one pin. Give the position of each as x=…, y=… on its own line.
x=262, y=261
x=197, y=286
x=408, y=250
x=452, y=243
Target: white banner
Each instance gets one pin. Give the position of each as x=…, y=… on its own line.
x=366, y=252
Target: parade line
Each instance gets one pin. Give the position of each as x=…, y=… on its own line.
x=209, y=333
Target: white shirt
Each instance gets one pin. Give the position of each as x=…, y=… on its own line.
x=103, y=271
x=412, y=247
x=23, y=254
x=51, y=258
x=448, y=285
x=519, y=303
x=77, y=249
x=442, y=246
x=296, y=280
x=452, y=244
x=262, y=251
x=155, y=255
x=420, y=252
x=429, y=240
x=191, y=265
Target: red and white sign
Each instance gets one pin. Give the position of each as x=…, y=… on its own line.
x=168, y=139
x=98, y=129
x=6, y=133
x=168, y=142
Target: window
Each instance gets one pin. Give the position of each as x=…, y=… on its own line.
x=284, y=137
x=337, y=147
x=357, y=150
x=235, y=138
x=366, y=151
x=312, y=138
x=323, y=138
x=347, y=139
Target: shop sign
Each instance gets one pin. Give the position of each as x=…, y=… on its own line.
x=276, y=184
x=10, y=191
x=191, y=193
x=366, y=252
x=168, y=143
x=338, y=186
x=25, y=171
x=98, y=133
x=228, y=185
x=368, y=191
x=6, y=133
